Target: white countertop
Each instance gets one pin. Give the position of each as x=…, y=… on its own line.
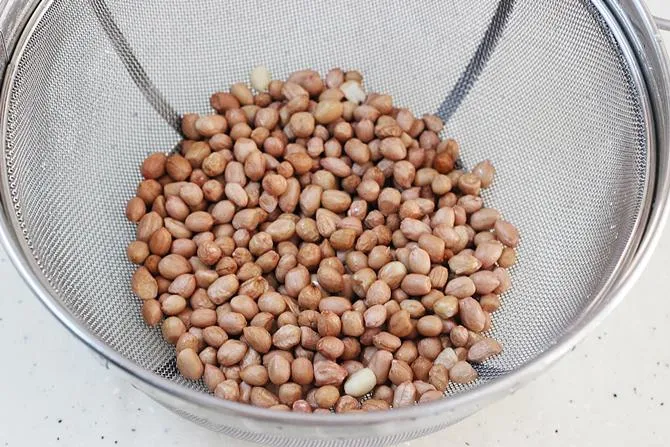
x=613, y=389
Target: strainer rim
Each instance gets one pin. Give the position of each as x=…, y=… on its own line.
x=635, y=256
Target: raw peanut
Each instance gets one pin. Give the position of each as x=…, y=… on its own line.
x=255, y=375
x=421, y=366
x=464, y=264
x=506, y=233
x=472, y=315
x=485, y=171
x=447, y=358
x=384, y=394
x=352, y=348
x=335, y=304
x=308, y=338
x=379, y=292
x=326, y=396
x=473, y=204
x=429, y=348
x=443, y=162
x=505, y=280
x=386, y=341
x=144, y=285
x=429, y=326
x=286, y=337
x=462, y=372
x=149, y=191
x=352, y=323
x=400, y=324
x=483, y=349
x=459, y=336
x=279, y=370
x=272, y=302
x=289, y=393
x=329, y=324
x=375, y=405
x=507, y=258
x=214, y=336
x=151, y=312
x=407, y=351
x=360, y=383
x=223, y=289
x=328, y=111
x=430, y=396
x=413, y=228
x=245, y=392
x=232, y=322
x=301, y=406
x=173, y=305
x=446, y=307
x=203, y=318
x=419, y=261
x=173, y=265
x=347, y=404
x=380, y=256
x=485, y=281
x=489, y=303
x=260, y=78
x=335, y=201
x=393, y=274
x=212, y=377
x=302, y=371
x=438, y=376
x=183, y=285
x=328, y=373
x=296, y=279
x=484, y=219
x=231, y=352
x=330, y=347
x=330, y=279
x=415, y=308
x=262, y=397
x=488, y=253
x=189, y=364
x=415, y=284
x=375, y=316
x=400, y=372
x=423, y=387
x=258, y=338
x=380, y=364
x=135, y=209
x=438, y=276
x=404, y=395
x=148, y=224
x=461, y=287
x=388, y=201
x=469, y=183
x=228, y=390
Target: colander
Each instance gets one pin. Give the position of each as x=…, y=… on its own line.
x=568, y=98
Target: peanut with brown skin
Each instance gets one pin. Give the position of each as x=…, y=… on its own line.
x=312, y=230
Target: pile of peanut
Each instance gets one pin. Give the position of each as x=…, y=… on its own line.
x=312, y=248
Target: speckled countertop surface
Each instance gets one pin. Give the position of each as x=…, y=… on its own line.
x=613, y=389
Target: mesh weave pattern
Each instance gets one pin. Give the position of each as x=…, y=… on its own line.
x=555, y=109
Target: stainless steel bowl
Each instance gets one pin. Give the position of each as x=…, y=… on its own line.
x=568, y=98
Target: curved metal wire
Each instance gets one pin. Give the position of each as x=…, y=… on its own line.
x=662, y=23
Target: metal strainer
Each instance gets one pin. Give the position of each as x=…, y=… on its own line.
x=569, y=98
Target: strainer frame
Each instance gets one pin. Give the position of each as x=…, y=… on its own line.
x=634, y=30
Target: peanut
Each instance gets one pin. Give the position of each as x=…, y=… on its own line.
x=312, y=235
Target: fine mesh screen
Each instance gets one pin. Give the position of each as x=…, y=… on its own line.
x=554, y=108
